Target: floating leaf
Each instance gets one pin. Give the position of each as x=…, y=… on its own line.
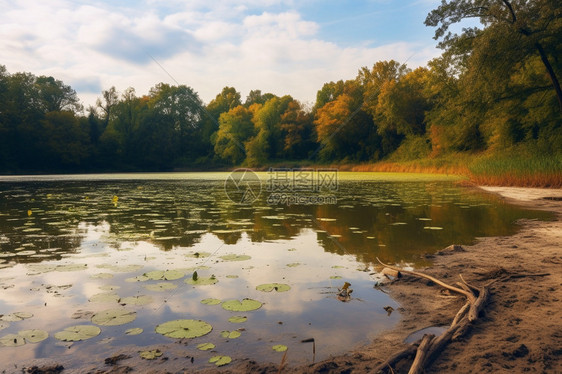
x=114, y=317
x=71, y=267
x=279, y=287
x=279, y=348
x=164, y=275
x=134, y=331
x=34, y=336
x=202, y=281
x=136, y=300
x=238, y=319
x=205, y=346
x=245, y=305
x=14, y=317
x=338, y=267
x=12, y=340
x=335, y=277
x=160, y=287
x=77, y=333
x=184, y=328
x=150, y=355
x=104, y=298
x=433, y=228
x=102, y=276
x=294, y=264
x=220, y=360
x=232, y=276
x=211, y=301
x=233, y=257
x=230, y=334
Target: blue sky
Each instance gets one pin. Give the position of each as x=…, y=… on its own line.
x=279, y=46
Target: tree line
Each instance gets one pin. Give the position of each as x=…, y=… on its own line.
x=494, y=88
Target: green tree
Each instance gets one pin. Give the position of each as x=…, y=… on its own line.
x=56, y=96
x=235, y=128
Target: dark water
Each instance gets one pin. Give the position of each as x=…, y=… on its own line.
x=65, y=240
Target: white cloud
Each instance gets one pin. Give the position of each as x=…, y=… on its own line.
x=201, y=44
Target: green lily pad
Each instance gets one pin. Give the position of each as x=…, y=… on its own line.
x=230, y=334
x=136, y=300
x=150, y=355
x=205, y=346
x=12, y=340
x=211, y=301
x=33, y=336
x=202, y=281
x=233, y=257
x=164, y=275
x=279, y=348
x=114, y=317
x=220, y=360
x=279, y=287
x=77, y=333
x=71, y=267
x=294, y=264
x=238, y=319
x=184, y=328
x=245, y=305
x=15, y=317
x=160, y=287
x=104, y=298
x=433, y=228
x=102, y=276
x=134, y=331
x=338, y=267
x=335, y=277
x=232, y=276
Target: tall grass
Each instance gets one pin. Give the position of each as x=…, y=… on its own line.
x=517, y=170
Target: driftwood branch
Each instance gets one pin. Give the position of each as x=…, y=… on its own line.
x=431, y=346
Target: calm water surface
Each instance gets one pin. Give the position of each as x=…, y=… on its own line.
x=73, y=246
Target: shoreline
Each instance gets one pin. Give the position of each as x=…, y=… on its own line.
x=521, y=330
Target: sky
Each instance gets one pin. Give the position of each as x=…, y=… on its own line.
x=279, y=46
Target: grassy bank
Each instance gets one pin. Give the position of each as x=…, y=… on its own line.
x=507, y=169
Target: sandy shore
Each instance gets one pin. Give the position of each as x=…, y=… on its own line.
x=521, y=330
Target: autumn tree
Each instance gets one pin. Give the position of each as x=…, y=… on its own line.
x=235, y=128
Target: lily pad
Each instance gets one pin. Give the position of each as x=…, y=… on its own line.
x=160, y=287
x=134, y=331
x=202, y=281
x=293, y=264
x=233, y=257
x=71, y=267
x=433, y=228
x=279, y=348
x=12, y=340
x=164, y=275
x=114, y=317
x=4, y=325
x=335, y=277
x=184, y=328
x=205, y=346
x=238, y=319
x=14, y=317
x=150, y=355
x=279, y=287
x=211, y=301
x=232, y=276
x=33, y=336
x=104, y=298
x=230, y=334
x=77, y=333
x=245, y=305
x=136, y=300
x=220, y=360
x=102, y=276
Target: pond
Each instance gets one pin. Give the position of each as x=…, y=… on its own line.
x=121, y=255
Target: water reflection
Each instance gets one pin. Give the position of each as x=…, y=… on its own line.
x=63, y=242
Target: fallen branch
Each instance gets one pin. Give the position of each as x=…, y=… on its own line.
x=431, y=346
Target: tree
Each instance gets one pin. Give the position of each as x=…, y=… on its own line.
x=110, y=100
x=55, y=96
x=297, y=129
x=235, y=128
x=256, y=97
x=521, y=27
